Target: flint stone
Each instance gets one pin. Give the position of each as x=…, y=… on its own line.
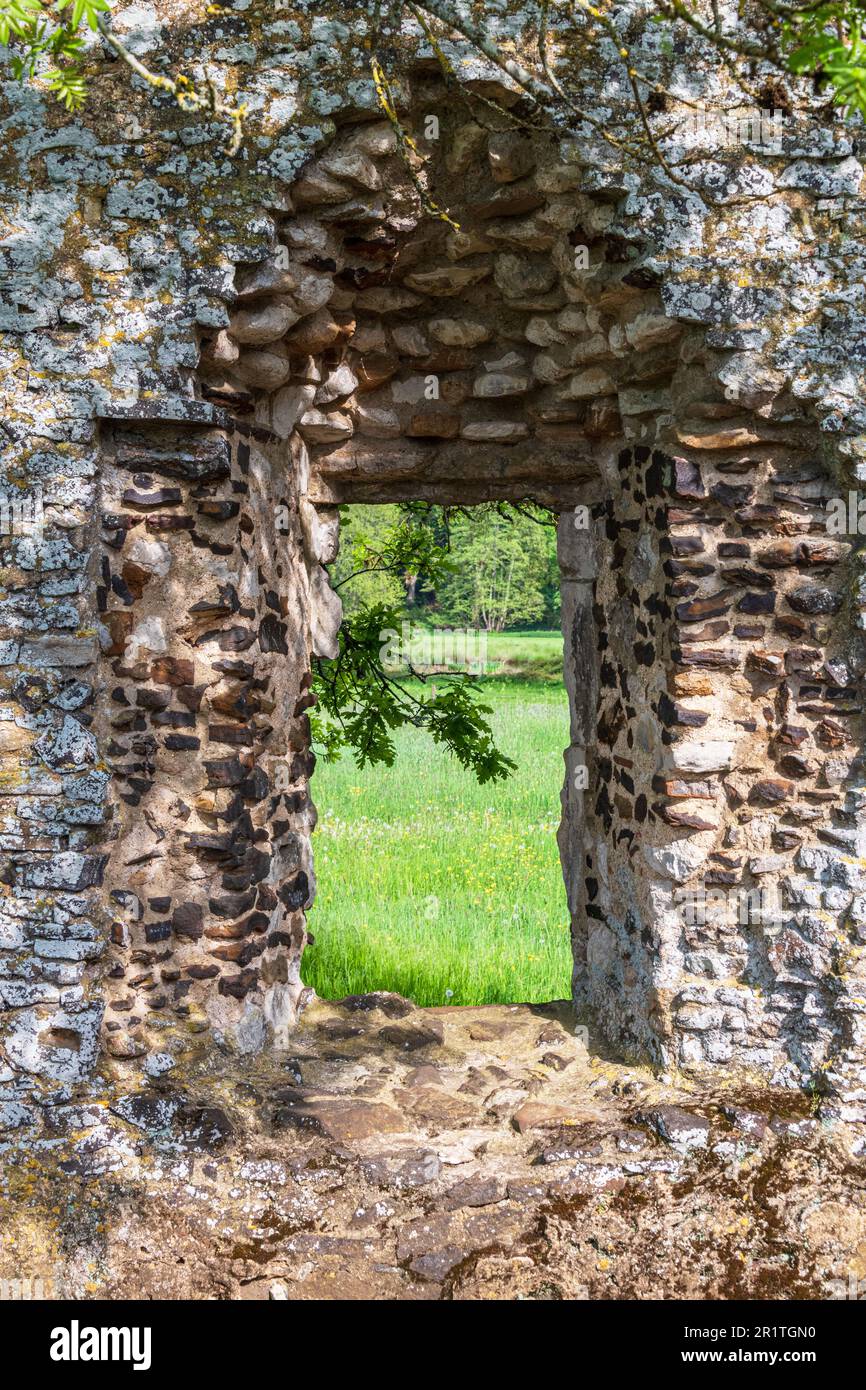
x=680, y=1128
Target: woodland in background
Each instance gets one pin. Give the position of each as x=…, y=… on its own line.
x=500, y=573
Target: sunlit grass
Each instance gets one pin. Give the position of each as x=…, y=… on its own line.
x=533, y=655
x=437, y=888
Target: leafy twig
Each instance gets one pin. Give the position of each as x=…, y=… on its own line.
x=190, y=96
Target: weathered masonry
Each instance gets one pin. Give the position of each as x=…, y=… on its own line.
x=202, y=358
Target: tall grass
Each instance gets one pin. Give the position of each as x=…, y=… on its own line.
x=437, y=888
x=533, y=655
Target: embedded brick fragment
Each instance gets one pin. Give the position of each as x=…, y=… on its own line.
x=771, y=790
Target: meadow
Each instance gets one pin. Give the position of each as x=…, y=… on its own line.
x=435, y=887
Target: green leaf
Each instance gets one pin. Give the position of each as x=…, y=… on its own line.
x=88, y=10
x=363, y=704
x=68, y=86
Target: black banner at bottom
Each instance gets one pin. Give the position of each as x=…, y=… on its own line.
x=211, y=1338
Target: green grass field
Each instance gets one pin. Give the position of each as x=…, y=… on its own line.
x=447, y=892
x=531, y=655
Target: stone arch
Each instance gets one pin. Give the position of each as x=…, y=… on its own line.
x=711, y=668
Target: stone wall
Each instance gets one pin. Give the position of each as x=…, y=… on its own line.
x=204, y=357
x=205, y=595
x=718, y=915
